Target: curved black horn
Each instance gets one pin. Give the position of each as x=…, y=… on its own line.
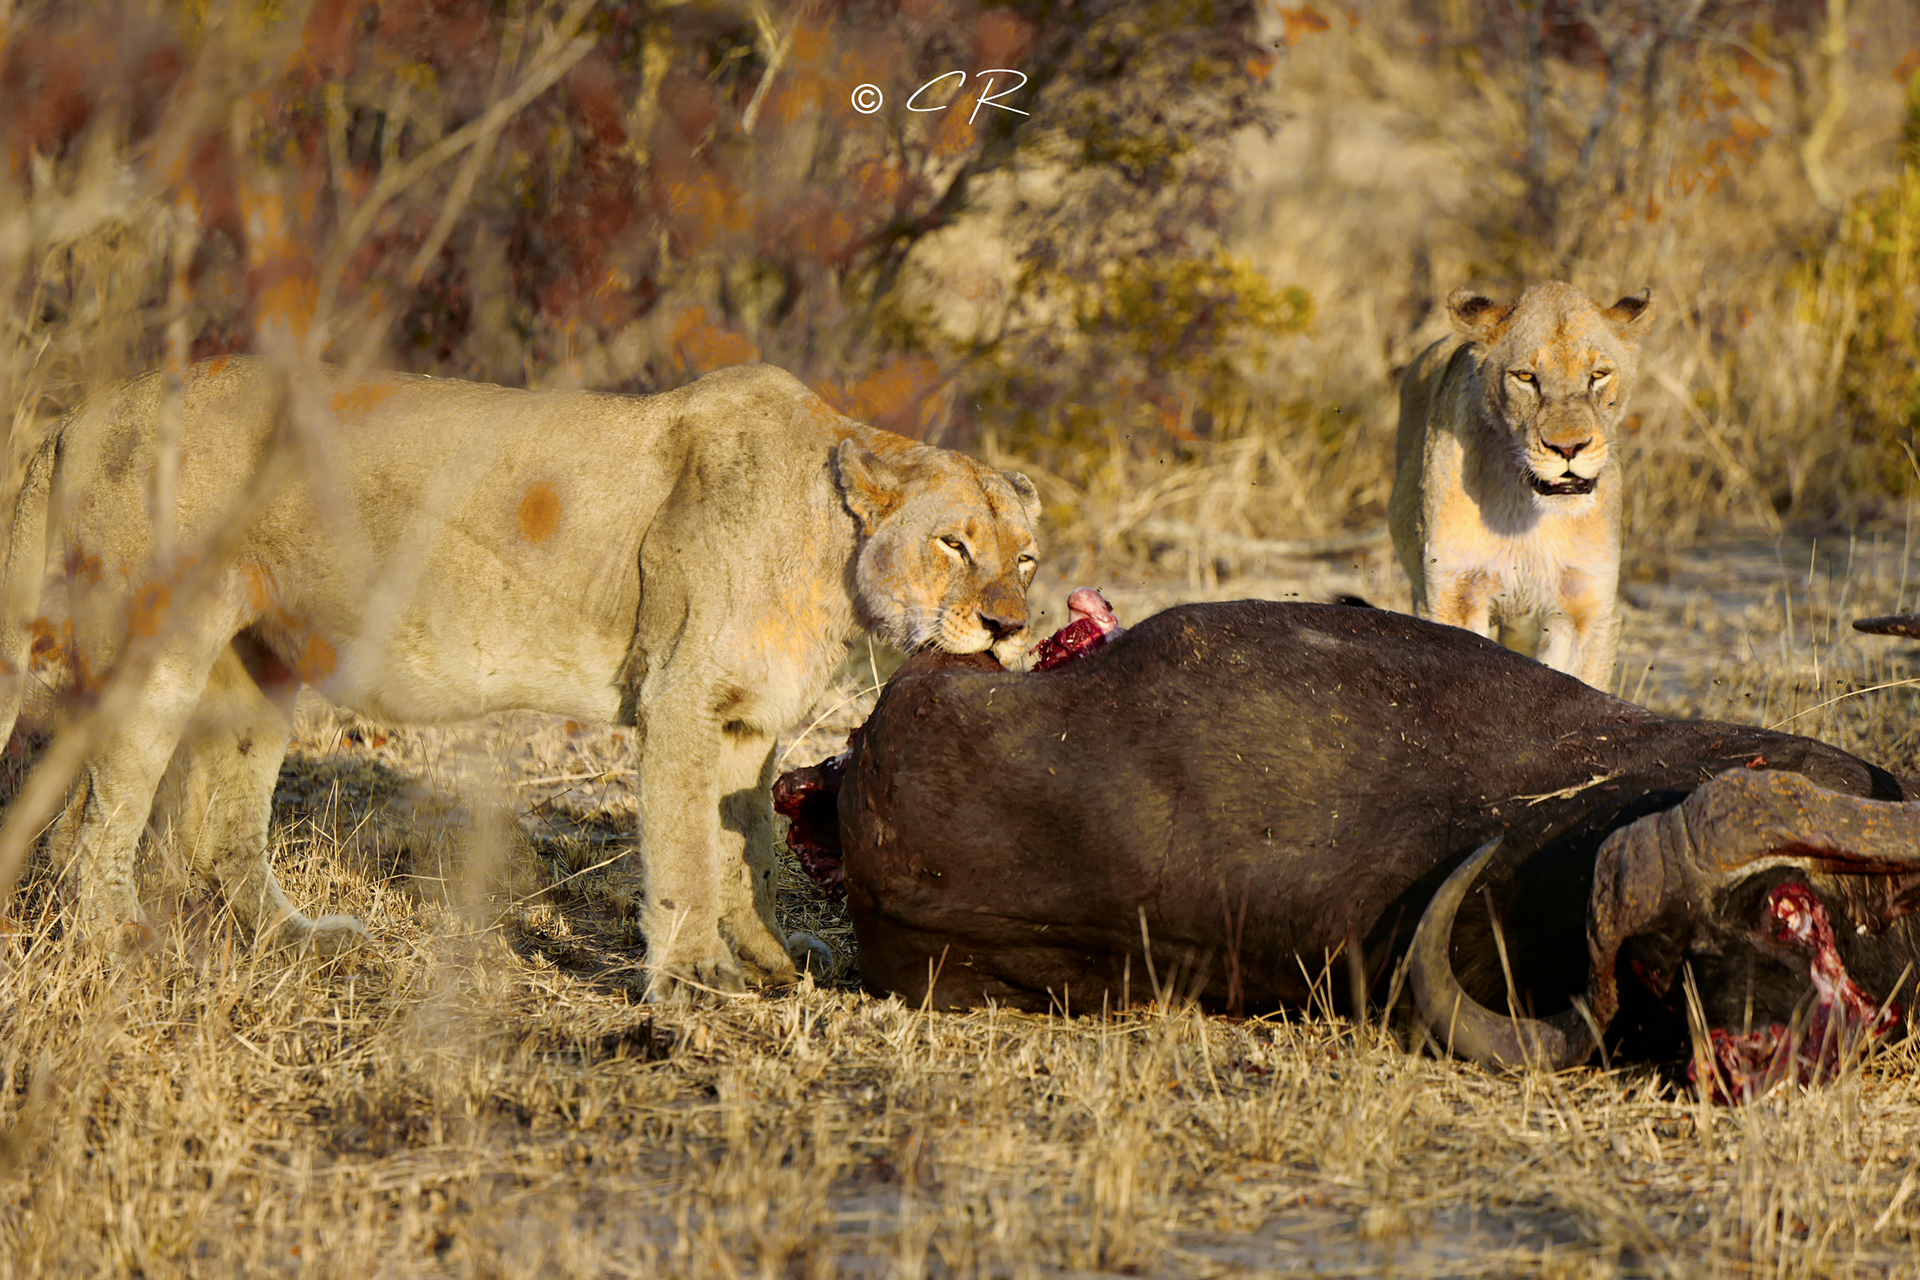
x=1456, y=1019
x=1898, y=624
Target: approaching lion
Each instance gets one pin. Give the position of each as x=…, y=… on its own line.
x=692, y=564
x=1506, y=499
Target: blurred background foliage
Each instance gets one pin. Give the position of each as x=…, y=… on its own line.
x=1174, y=273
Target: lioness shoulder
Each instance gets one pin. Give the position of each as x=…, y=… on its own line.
x=691, y=563
x=1506, y=498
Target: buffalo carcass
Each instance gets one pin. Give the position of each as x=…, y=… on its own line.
x=1229, y=794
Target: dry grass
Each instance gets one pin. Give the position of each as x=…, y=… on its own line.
x=482, y=1093
x=1393, y=178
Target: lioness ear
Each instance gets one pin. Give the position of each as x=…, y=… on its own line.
x=1028, y=495
x=869, y=484
x=1477, y=316
x=1631, y=315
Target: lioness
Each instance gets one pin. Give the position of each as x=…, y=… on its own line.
x=692, y=564
x=1506, y=498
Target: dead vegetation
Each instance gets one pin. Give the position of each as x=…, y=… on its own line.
x=481, y=1092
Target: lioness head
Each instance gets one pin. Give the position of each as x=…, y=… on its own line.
x=1557, y=372
x=946, y=549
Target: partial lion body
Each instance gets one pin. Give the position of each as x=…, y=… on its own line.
x=688, y=563
x=1506, y=500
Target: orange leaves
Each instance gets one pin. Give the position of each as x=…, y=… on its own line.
x=1302, y=22
x=147, y=609
x=702, y=344
x=1000, y=39
x=281, y=275
x=906, y=395
x=955, y=136
x=812, y=41
x=885, y=182
x=1761, y=74
x=702, y=207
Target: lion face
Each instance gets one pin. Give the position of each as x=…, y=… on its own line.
x=947, y=551
x=1557, y=373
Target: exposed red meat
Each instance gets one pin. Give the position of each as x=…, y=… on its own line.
x=809, y=799
x=1747, y=1064
x=1091, y=625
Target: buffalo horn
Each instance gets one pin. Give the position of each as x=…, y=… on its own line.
x=1469, y=1028
x=1898, y=624
x=1670, y=865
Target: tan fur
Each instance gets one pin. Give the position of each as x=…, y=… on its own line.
x=692, y=564
x=1529, y=394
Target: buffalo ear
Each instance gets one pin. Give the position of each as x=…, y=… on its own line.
x=1028, y=495
x=1632, y=314
x=872, y=487
x=1477, y=316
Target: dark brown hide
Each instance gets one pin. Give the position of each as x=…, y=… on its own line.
x=1255, y=783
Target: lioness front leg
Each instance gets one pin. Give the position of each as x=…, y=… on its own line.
x=1461, y=600
x=694, y=852
x=747, y=915
x=748, y=839
x=218, y=798
x=1597, y=644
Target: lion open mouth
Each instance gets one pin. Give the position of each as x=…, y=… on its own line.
x=1567, y=484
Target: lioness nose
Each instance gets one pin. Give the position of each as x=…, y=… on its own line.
x=1001, y=625
x=1568, y=450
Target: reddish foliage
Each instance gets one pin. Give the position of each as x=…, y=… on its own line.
x=57, y=78
x=575, y=229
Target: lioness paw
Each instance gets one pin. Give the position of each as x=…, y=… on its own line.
x=122, y=937
x=810, y=955
x=681, y=979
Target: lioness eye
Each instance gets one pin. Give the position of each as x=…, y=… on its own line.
x=1522, y=375
x=1601, y=375
x=956, y=546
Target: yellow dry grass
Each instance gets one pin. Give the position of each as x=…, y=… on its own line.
x=481, y=1093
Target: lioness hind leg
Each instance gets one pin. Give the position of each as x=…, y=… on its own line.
x=218, y=795
x=108, y=807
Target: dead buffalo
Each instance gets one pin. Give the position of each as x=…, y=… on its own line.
x=1228, y=795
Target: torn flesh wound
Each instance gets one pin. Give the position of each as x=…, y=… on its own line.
x=1092, y=623
x=1841, y=1021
